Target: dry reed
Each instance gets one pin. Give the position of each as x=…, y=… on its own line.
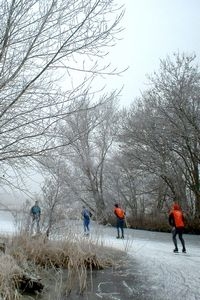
x=27, y=254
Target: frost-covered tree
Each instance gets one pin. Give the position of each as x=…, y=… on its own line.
x=89, y=134
x=162, y=130
x=44, y=46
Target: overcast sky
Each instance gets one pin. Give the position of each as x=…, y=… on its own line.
x=153, y=29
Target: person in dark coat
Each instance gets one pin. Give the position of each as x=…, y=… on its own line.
x=86, y=220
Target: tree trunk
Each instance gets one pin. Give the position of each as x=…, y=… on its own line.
x=195, y=188
x=100, y=208
x=197, y=204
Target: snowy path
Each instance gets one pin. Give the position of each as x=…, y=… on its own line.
x=162, y=274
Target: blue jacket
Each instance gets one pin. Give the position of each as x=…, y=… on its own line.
x=86, y=214
x=35, y=210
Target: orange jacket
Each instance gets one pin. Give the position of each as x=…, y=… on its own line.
x=119, y=212
x=176, y=217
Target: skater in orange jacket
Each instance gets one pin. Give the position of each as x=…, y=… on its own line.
x=176, y=220
x=120, y=216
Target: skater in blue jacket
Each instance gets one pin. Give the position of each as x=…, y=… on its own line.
x=86, y=220
x=35, y=214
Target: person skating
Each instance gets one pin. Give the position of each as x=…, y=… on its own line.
x=120, y=218
x=176, y=220
x=35, y=214
x=86, y=220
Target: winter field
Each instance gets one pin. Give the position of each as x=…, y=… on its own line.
x=151, y=270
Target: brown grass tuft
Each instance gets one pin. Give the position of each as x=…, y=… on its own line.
x=10, y=274
x=32, y=255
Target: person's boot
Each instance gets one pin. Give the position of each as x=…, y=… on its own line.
x=117, y=237
x=122, y=237
x=184, y=250
x=176, y=250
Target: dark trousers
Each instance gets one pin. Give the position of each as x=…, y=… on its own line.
x=86, y=223
x=120, y=226
x=178, y=231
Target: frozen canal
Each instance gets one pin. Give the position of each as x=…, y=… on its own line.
x=151, y=270
x=158, y=272
x=7, y=222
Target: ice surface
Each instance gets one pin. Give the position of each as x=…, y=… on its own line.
x=153, y=271
x=163, y=274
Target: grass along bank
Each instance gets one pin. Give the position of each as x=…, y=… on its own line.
x=32, y=265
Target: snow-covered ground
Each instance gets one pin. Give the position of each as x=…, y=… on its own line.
x=152, y=272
